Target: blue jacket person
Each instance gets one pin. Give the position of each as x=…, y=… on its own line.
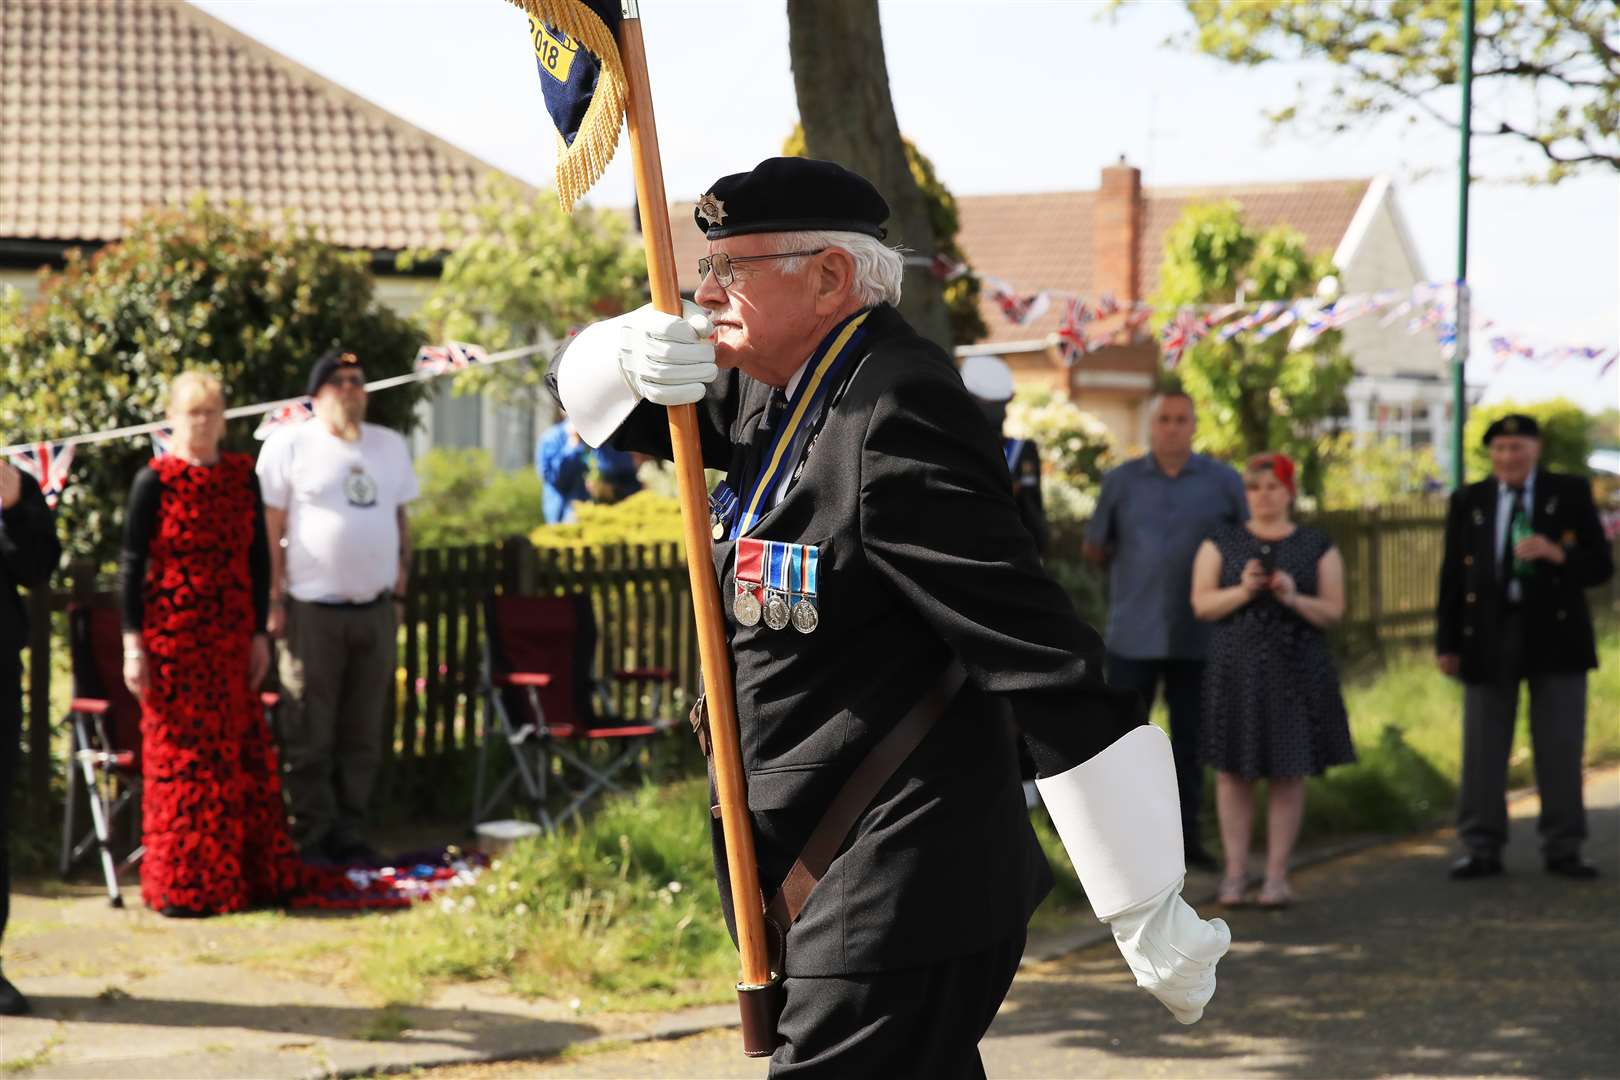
x=1522, y=547
x=868, y=546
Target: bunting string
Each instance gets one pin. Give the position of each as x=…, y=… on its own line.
x=49, y=461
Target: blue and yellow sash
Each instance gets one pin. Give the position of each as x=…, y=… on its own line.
x=832, y=356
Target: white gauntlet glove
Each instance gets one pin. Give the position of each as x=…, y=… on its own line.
x=1120, y=820
x=1172, y=951
x=644, y=355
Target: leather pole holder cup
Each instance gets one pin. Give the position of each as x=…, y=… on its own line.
x=761, y=1008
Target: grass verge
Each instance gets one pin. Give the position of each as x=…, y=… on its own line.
x=622, y=913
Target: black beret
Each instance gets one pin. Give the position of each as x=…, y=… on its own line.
x=1512, y=424
x=330, y=361
x=789, y=194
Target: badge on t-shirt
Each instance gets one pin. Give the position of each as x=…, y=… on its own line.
x=359, y=488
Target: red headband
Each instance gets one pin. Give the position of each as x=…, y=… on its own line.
x=1281, y=466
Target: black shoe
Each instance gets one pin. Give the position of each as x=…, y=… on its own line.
x=1199, y=859
x=1476, y=866
x=12, y=1002
x=1572, y=866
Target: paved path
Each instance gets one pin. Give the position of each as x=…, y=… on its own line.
x=1385, y=968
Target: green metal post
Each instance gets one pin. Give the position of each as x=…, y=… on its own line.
x=1459, y=401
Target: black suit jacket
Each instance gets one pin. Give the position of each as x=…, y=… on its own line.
x=923, y=556
x=1557, y=625
x=29, y=551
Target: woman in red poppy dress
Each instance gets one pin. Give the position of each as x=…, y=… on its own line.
x=195, y=591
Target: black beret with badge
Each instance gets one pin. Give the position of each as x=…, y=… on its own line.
x=1513, y=424
x=790, y=194
x=329, y=362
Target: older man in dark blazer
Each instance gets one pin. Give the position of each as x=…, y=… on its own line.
x=1521, y=549
x=28, y=553
x=871, y=557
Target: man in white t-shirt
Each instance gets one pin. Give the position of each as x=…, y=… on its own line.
x=335, y=490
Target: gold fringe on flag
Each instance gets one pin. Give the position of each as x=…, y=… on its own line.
x=582, y=164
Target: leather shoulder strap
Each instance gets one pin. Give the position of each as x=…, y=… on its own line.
x=857, y=794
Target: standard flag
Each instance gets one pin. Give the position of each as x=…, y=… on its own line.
x=577, y=56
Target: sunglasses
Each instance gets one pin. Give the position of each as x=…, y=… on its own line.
x=347, y=379
x=721, y=264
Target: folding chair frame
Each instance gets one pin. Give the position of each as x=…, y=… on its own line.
x=535, y=743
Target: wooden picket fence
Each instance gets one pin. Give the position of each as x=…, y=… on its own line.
x=642, y=601
x=640, y=593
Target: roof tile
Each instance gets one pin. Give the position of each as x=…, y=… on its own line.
x=90, y=135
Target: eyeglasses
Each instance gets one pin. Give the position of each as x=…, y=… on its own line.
x=347, y=379
x=721, y=264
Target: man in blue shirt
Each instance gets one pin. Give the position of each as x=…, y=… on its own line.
x=570, y=471
x=1152, y=514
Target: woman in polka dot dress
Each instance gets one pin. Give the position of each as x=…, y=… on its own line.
x=1272, y=706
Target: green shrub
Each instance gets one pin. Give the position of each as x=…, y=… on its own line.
x=467, y=500
x=199, y=287
x=644, y=518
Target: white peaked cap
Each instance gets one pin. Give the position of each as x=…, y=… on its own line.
x=988, y=378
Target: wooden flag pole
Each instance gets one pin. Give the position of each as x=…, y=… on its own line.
x=683, y=431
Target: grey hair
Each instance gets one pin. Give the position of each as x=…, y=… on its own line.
x=878, y=268
x=194, y=383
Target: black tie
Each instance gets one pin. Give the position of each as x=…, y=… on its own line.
x=1517, y=495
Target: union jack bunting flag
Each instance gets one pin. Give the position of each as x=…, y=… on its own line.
x=163, y=442
x=1286, y=319
x=294, y=412
x=1021, y=310
x=49, y=464
x=1072, y=343
x=1107, y=305
x=1180, y=334
x=451, y=356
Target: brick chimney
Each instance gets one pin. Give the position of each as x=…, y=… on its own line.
x=1117, y=233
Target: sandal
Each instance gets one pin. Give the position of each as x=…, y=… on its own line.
x=1230, y=894
x=1275, y=895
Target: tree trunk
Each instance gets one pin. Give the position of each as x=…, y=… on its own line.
x=842, y=83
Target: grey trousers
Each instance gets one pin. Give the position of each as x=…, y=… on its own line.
x=1557, y=736
x=335, y=667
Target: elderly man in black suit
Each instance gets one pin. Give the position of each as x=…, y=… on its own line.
x=1521, y=549
x=872, y=559
x=29, y=552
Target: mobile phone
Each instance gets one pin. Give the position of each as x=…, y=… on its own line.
x=1268, y=559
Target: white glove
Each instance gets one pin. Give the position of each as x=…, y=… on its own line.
x=666, y=359
x=644, y=355
x=1172, y=951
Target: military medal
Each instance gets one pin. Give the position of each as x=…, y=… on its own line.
x=777, y=612
x=805, y=619
x=750, y=563
x=722, y=510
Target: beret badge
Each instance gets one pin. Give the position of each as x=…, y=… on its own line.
x=711, y=209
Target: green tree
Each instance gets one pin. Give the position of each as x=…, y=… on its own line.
x=1553, y=65
x=200, y=287
x=1566, y=440
x=945, y=222
x=1251, y=395
x=522, y=272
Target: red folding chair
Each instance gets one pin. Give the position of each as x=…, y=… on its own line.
x=104, y=722
x=557, y=719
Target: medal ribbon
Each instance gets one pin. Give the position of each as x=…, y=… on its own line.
x=829, y=359
x=723, y=504
x=751, y=561
x=812, y=561
x=776, y=565
x=795, y=563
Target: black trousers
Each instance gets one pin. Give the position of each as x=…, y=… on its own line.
x=920, y=1022
x=1183, y=695
x=10, y=751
